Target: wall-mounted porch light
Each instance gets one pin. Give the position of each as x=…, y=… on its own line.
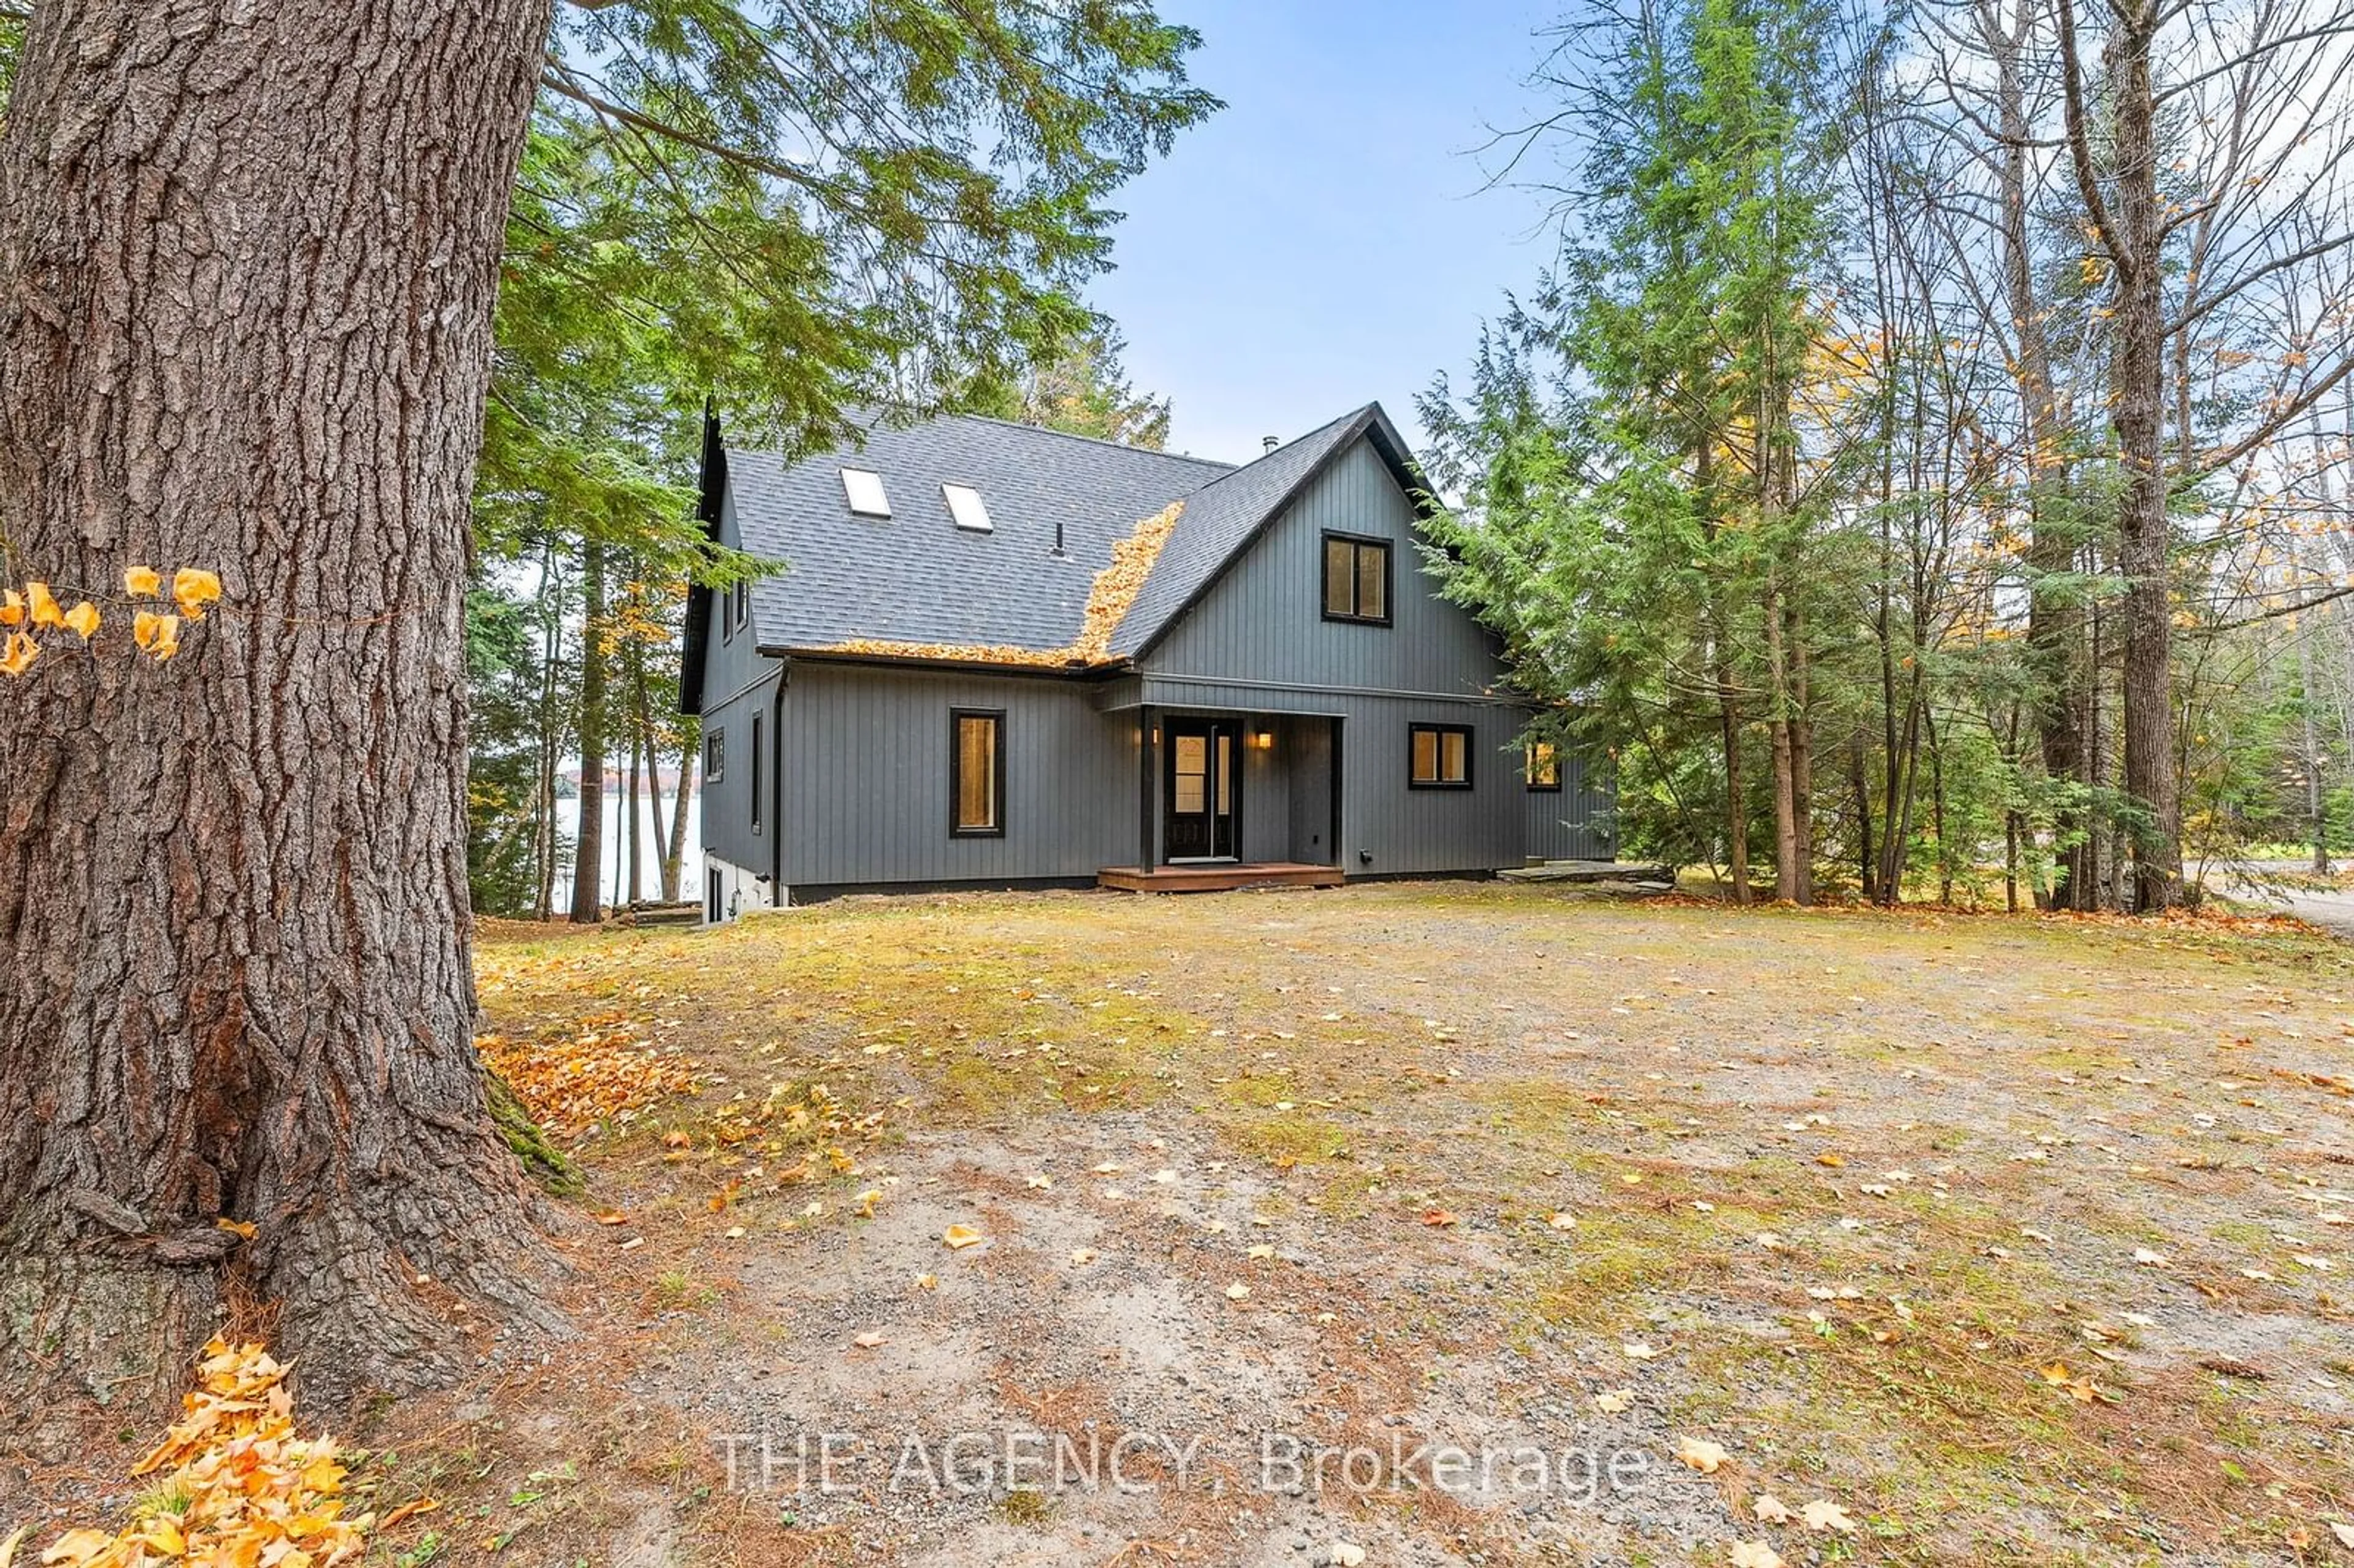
x=1264, y=740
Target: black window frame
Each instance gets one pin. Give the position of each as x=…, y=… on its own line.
x=1413, y=731
x=957, y=716
x=1324, y=577
x=1528, y=768
x=757, y=771
x=715, y=755
x=727, y=615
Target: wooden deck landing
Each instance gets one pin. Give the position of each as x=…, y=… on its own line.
x=1219, y=878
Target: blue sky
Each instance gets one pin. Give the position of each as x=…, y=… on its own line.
x=1323, y=241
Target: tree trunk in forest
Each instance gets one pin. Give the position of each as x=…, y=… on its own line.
x=247, y=256
x=2317, y=792
x=1867, y=856
x=588, y=838
x=677, y=850
x=2132, y=226
x=645, y=726
x=1802, y=753
x=547, y=850
x=2144, y=530
x=1736, y=802
x=2055, y=615
x=1787, y=887
x=628, y=889
x=1937, y=811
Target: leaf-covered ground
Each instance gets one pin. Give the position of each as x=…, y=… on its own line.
x=1845, y=1237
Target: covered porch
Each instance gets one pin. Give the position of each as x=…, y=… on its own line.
x=1229, y=799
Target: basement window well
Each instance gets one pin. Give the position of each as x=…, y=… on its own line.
x=965, y=506
x=863, y=487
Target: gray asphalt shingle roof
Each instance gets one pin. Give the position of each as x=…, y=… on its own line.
x=1220, y=518
x=917, y=579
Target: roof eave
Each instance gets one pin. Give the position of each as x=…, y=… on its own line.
x=1075, y=671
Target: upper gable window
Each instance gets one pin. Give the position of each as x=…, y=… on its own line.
x=965, y=506
x=863, y=487
x=1356, y=579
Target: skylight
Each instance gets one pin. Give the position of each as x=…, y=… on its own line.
x=965, y=506
x=865, y=489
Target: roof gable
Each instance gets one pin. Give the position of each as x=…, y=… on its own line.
x=1226, y=517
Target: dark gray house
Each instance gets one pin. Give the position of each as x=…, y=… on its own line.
x=999, y=655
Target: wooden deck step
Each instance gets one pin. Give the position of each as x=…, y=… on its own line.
x=1221, y=878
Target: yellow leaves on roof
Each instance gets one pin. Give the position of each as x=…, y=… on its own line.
x=244, y=1486
x=1110, y=599
x=1117, y=586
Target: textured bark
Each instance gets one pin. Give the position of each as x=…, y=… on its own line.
x=247, y=261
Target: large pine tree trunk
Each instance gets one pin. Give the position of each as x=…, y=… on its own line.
x=247, y=259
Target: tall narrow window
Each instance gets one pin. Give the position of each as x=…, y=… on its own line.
x=755, y=772
x=1439, y=756
x=714, y=755
x=977, y=773
x=1544, y=766
x=1356, y=579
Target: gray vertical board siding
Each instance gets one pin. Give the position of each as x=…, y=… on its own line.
x=1307, y=742
x=727, y=801
x=1405, y=830
x=1263, y=621
x=866, y=777
x=739, y=682
x=1267, y=785
x=1569, y=824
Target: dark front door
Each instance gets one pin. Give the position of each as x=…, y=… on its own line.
x=1203, y=787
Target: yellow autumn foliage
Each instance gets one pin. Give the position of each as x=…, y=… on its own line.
x=244, y=1489
x=36, y=608
x=193, y=588
x=156, y=634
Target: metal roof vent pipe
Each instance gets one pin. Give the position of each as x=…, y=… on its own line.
x=1268, y=443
